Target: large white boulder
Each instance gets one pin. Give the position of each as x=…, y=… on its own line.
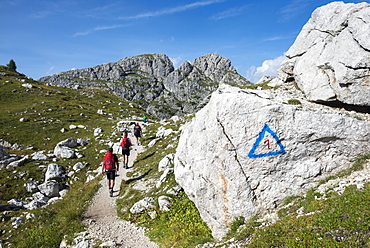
x=50, y=188
x=330, y=59
x=245, y=151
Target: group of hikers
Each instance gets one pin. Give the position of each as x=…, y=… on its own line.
x=110, y=163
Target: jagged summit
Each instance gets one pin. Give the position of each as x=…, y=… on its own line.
x=152, y=82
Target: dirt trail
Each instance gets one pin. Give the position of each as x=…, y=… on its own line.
x=101, y=215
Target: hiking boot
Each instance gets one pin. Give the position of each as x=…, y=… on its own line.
x=111, y=193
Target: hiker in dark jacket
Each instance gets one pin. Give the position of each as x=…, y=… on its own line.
x=137, y=132
x=109, y=167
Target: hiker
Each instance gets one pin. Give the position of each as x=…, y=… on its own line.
x=109, y=166
x=145, y=119
x=125, y=144
x=137, y=132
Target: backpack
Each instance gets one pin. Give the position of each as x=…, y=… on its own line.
x=137, y=128
x=108, y=161
x=125, y=143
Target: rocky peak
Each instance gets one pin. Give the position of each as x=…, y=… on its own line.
x=158, y=65
x=213, y=66
x=151, y=81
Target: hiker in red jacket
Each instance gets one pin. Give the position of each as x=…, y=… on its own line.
x=125, y=144
x=109, y=166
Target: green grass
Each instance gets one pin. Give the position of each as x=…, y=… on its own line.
x=294, y=102
x=59, y=219
x=340, y=221
x=49, y=109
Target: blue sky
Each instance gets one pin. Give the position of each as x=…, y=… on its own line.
x=45, y=37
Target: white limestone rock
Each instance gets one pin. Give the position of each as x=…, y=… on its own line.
x=97, y=131
x=330, y=59
x=166, y=162
x=64, y=152
x=164, y=203
x=50, y=188
x=18, y=163
x=31, y=186
x=164, y=176
x=227, y=173
x=142, y=205
x=78, y=166
x=54, y=172
x=39, y=156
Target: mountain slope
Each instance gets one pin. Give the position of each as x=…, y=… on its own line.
x=151, y=81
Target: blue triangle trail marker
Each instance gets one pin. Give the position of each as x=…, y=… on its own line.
x=261, y=135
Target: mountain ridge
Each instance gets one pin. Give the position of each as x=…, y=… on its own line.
x=154, y=84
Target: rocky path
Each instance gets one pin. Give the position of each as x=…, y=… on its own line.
x=101, y=216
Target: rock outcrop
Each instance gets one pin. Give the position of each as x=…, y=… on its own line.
x=152, y=82
x=247, y=150
x=330, y=59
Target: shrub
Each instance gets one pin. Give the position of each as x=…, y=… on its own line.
x=294, y=102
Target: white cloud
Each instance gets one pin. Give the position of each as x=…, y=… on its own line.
x=268, y=67
x=99, y=29
x=50, y=71
x=229, y=13
x=178, y=9
x=176, y=61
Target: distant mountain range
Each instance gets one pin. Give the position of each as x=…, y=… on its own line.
x=151, y=81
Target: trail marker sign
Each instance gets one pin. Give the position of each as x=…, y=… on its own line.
x=266, y=131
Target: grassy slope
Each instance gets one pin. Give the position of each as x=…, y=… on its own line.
x=49, y=109
x=340, y=221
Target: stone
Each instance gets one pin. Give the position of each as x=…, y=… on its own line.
x=28, y=85
x=6, y=160
x=64, y=152
x=153, y=142
x=3, y=154
x=18, y=163
x=17, y=221
x=54, y=172
x=163, y=132
x=330, y=58
x=81, y=142
x=70, y=142
x=4, y=144
x=247, y=150
x=166, y=162
x=50, y=188
x=174, y=190
x=39, y=200
x=264, y=79
x=17, y=203
x=72, y=126
x=39, y=156
x=164, y=176
x=79, y=165
x=142, y=205
x=164, y=203
x=97, y=131
x=101, y=112
x=31, y=187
